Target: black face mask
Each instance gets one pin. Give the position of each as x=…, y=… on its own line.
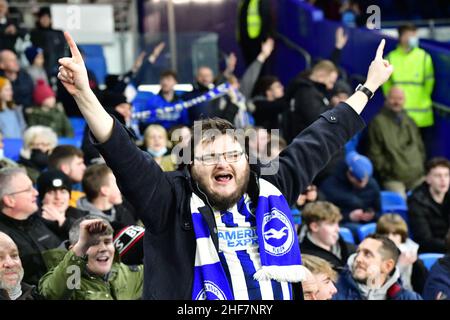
x=39, y=158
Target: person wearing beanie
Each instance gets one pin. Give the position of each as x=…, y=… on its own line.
x=54, y=189
x=35, y=57
x=353, y=189
x=12, y=122
x=47, y=112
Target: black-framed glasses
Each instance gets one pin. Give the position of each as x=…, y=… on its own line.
x=213, y=158
x=29, y=189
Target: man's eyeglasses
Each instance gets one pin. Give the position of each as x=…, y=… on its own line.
x=213, y=158
x=29, y=189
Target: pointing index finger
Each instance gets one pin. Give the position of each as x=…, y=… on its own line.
x=73, y=47
x=380, y=49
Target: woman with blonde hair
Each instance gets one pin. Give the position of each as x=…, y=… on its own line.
x=12, y=121
x=157, y=144
x=38, y=143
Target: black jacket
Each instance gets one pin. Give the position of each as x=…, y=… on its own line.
x=428, y=220
x=162, y=199
x=28, y=293
x=337, y=263
x=32, y=238
x=268, y=113
x=307, y=101
x=53, y=43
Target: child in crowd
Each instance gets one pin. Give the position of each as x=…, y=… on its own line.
x=103, y=277
x=47, y=112
x=12, y=122
x=35, y=57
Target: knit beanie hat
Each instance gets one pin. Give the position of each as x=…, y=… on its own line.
x=129, y=244
x=52, y=180
x=41, y=92
x=31, y=53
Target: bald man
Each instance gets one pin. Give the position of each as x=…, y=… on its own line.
x=11, y=272
x=395, y=146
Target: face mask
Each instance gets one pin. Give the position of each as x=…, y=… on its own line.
x=157, y=154
x=2, y=154
x=413, y=42
x=39, y=158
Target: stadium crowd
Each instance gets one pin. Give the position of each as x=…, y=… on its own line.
x=71, y=221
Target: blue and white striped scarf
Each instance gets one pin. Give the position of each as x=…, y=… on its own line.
x=278, y=247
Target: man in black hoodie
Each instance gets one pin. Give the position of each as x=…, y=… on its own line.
x=307, y=96
x=429, y=207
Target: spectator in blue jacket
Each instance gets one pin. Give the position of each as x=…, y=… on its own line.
x=371, y=273
x=353, y=189
x=437, y=286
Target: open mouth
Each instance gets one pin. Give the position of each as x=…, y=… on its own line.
x=223, y=178
x=102, y=260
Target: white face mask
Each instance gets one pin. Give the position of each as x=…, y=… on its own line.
x=413, y=42
x=157, y=154
x=2, y=154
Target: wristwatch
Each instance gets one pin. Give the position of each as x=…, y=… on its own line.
x=366, y=91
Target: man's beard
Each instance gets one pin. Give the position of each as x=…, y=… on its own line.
x=9, y=286
x=219, y=201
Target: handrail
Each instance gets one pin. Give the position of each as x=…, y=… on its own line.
x=418, y=23
x=443, y=109
x=292, y=45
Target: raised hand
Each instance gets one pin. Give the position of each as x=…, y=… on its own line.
x=51, y=213
x=90, y=232
x=156, y=52
x=340, y=38
x=380, y=69
x=266, y=49
x=72, y=72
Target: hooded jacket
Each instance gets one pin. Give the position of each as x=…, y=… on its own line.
x=119, y=218
x=349, y=289
x=162, y=199
x=428, y=220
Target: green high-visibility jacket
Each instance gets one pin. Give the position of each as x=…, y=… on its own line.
x=414, y=74
x=254, y=23
x=70, y=280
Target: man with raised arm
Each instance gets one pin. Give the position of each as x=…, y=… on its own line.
x=220, y=228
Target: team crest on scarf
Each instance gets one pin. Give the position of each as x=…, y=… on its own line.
x=278, y=234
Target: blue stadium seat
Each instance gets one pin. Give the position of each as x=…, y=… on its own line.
x=78, y=125
x=76, y=142
x=347, y=235
x=12, y=148
x=365, y=230
x=394, y=202
x=296, y=215
x=429, y=259
x=95, y=61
